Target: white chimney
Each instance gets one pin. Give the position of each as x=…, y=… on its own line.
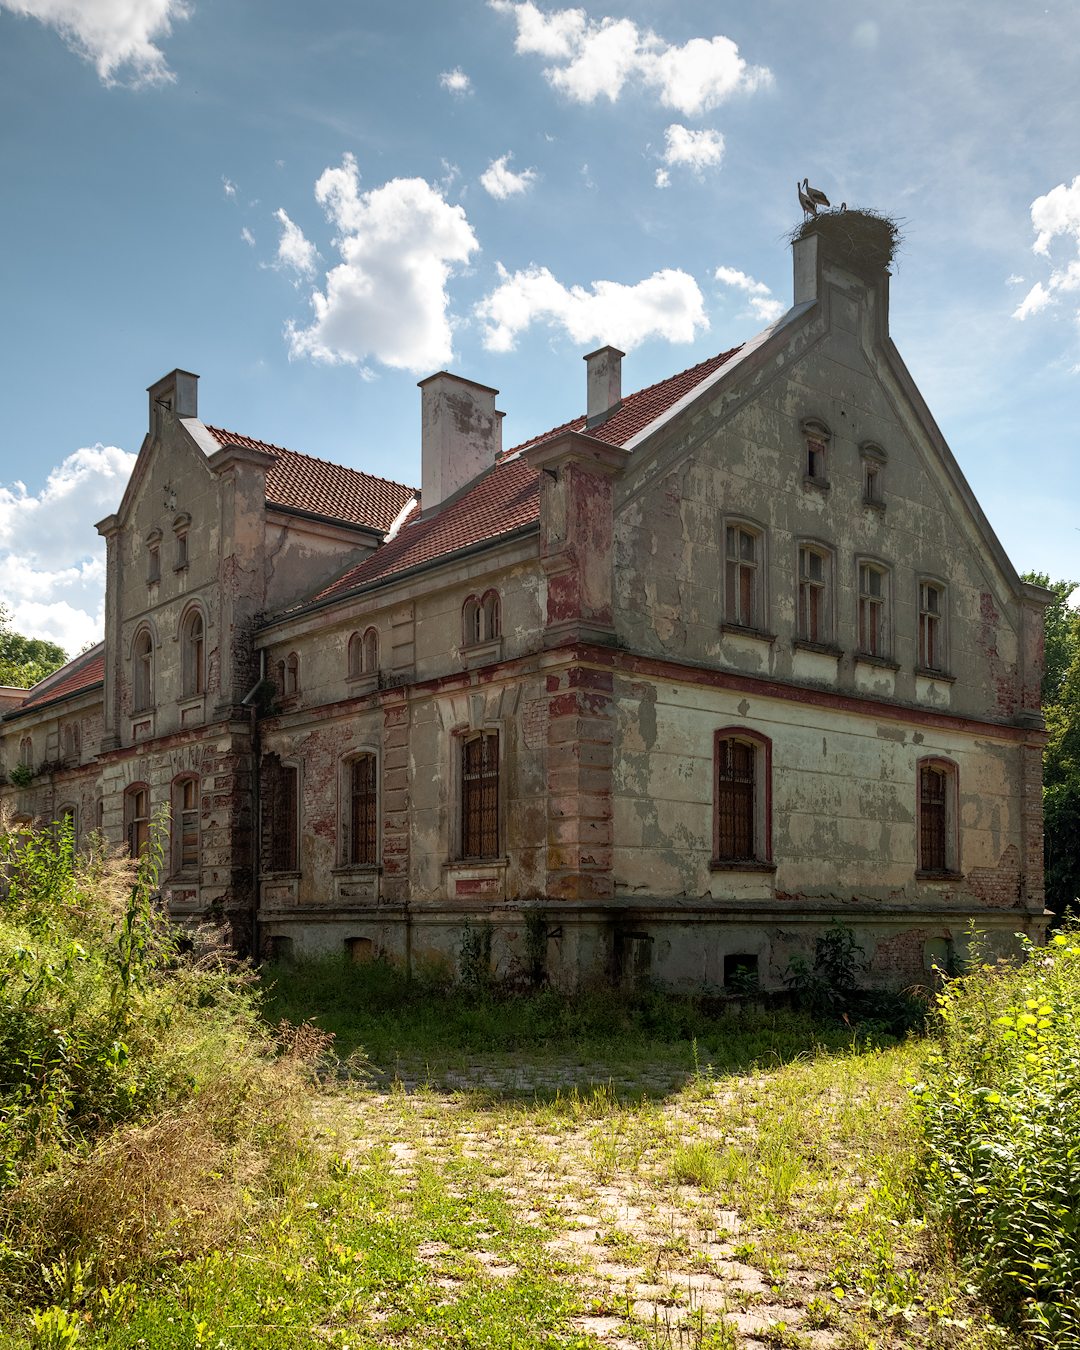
x=176, y=393
x=604, y=372
x=461, y=435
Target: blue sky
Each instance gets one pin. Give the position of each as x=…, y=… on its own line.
x=314, y=206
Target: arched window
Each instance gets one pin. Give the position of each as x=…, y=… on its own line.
x=937, y=816
x=137, y=818
x=480, y=795
x=292, y=675
x=185, y=825
x=71, y=742
x=193, y=654
x=742, y=802
x=481, y=619
x=142, y=671
x=26, y=752
x=364, y=653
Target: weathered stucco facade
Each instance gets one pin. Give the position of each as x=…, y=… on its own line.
x=668, y=690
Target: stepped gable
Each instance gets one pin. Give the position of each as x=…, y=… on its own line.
x=505, y=498
x=84, y=672
x=302, y=483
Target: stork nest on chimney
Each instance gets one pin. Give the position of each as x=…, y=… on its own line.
x=865, y=242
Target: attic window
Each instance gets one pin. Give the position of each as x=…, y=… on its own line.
x=816, y=438
x=153, y=564
x=181, y=526
x=874, y=460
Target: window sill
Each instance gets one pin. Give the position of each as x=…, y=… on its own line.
x=292, y=874
x=356, y=870
x=822, y=648
x=874, y=504
x=739, y=630
x=740, y=865
x=364, y=684
x=181, y=567
x=819, y=484
x=482, y=653
x=921, y=875
x=882, y=662
x=939, y=676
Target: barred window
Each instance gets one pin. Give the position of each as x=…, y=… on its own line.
x=937, y=817
x=735, y=800
x=480, y=796
x=280, y=792
x=363, y=812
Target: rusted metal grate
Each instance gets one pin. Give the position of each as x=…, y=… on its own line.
x=364, y=820
x=735, y=800
x=933, y=852
x=480, y=796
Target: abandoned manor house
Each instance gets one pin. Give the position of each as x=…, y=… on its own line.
x=664, y=691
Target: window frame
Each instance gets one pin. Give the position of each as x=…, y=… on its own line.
x=348, y=851
x=817, y=448
x=826, y=637
x=181, y=532
x=733, y=568
x=153, y=557
x=142, y=670
x=761, y=856
x=272, y=859
x=949, y=774
x=180, y=785
x=136, y=825
x=884, y=599
x=462, y=853
x=481, y=619
x=939, y=619
x=192, y=655
x=872, y=461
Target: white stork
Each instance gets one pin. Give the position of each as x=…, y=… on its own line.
x=815, y=195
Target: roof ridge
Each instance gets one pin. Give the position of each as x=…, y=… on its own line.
x=303, y=454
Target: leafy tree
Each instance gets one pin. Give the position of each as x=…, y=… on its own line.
x=23, y=660
x=1061, y=759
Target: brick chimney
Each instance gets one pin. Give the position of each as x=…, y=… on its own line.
x=604, y=376
x=461, y=435
x=849, y=250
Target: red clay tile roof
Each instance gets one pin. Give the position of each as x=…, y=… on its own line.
x=84, y=672
x=308, y=484
x=505, y=499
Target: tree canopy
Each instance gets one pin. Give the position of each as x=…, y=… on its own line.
x=23, y=660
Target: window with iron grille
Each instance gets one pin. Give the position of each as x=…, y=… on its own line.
x=935, y=786
x=363, y=812
x=931, y=626
x=480, y=796
x=814, y=617
x=742, y=571
x=280, y=792
x=736, y=800
x=186, y=825
x=873, y=615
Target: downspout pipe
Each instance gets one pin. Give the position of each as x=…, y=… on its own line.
x=249, y=701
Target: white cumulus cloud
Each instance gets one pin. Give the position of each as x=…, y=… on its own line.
x=294, y=250
x=111, y=34
x=698, y=150
x=600, y=57
x=1055, y=215
x=51, y=558
x=668, y=305
x=387, y=298
x=456, y=81
x=501, y=181
x=762, y=303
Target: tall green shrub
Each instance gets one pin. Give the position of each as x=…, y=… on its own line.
x=1000, y=1108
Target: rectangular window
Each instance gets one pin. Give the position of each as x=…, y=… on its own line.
x=933, y=819
x=153, y=564
x=138, y=820
x=480, y=796
x=813, y=616
x=742, y=577
x=280, y=790
x=871, y=482
x=181, y=550
x=872, y=613
x=363, y=812
x=736, y=800
x=931, y=653
x=187, y=853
